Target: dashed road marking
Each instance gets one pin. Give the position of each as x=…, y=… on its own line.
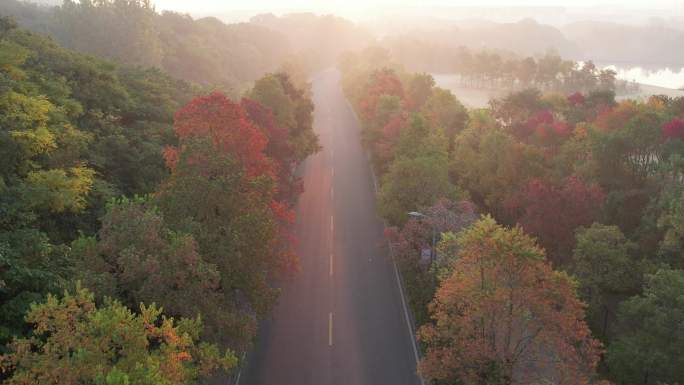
x=330, y=329
x=331, y=264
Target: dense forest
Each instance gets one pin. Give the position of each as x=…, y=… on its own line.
x=204, y=51
x=581, y=202
x=149, y=172
x=125, y=193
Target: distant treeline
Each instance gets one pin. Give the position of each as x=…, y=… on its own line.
x=133, y=33
x=548, y=72
x=204, y=51
x=653, y=45
x=486, y=68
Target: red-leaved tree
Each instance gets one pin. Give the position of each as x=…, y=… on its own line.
x=223, y=190
x=225, y=123
x=278, y=149
x=381, y=82
x=674, y=129
x=552, y=212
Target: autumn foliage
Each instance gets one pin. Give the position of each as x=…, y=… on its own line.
x=75, y=341
x=505, y=317
x=381, y=82
x=243, y=136
x=554, y=163
x=138, y=259
x=674, y=129
x=546, y=128
x=278, y=149
x=223, y=190
x=554, y=211
x=224, y=122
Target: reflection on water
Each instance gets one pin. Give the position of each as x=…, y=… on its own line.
x=666, y=77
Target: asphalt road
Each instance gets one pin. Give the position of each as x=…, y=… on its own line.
x=340, y=320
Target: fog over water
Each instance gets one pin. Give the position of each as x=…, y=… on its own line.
x=663, y=77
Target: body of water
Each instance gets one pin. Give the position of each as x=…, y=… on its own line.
x=663, y=81
x=663, y=77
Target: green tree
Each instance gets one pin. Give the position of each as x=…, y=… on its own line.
x=30, y=266
x=609, y=270
x=649, y=348
x=121, y=30
x=292, y=109
x=491, y=165
x=525, y=71
x=137, y=258
x=231, y=221
x=76, y=131
x=270, y=92
x=411, y=183
x=419, y=89
x=419, y=176
x=625, y=156
x=671, y=222
x=446, y=112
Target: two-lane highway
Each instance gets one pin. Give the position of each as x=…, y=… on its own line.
x=340, y=320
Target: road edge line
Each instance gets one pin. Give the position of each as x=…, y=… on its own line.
x=242, y=360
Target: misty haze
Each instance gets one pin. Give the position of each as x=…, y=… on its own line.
x=359, y=192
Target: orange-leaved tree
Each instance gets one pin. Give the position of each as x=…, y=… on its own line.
x=505, y=317
x=76, y=342
x=381, y=82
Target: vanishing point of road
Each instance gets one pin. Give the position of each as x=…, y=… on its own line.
x=341, y=319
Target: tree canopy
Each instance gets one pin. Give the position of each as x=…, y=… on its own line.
x=76, y=131
x=74, y=340
x=598, y=182
x=125, y=180
x=505, y=317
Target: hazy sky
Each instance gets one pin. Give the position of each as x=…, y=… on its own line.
x=363, y=9
x=206, y=5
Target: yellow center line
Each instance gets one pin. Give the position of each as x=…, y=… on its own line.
x=330, y=327
x=331, y=264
